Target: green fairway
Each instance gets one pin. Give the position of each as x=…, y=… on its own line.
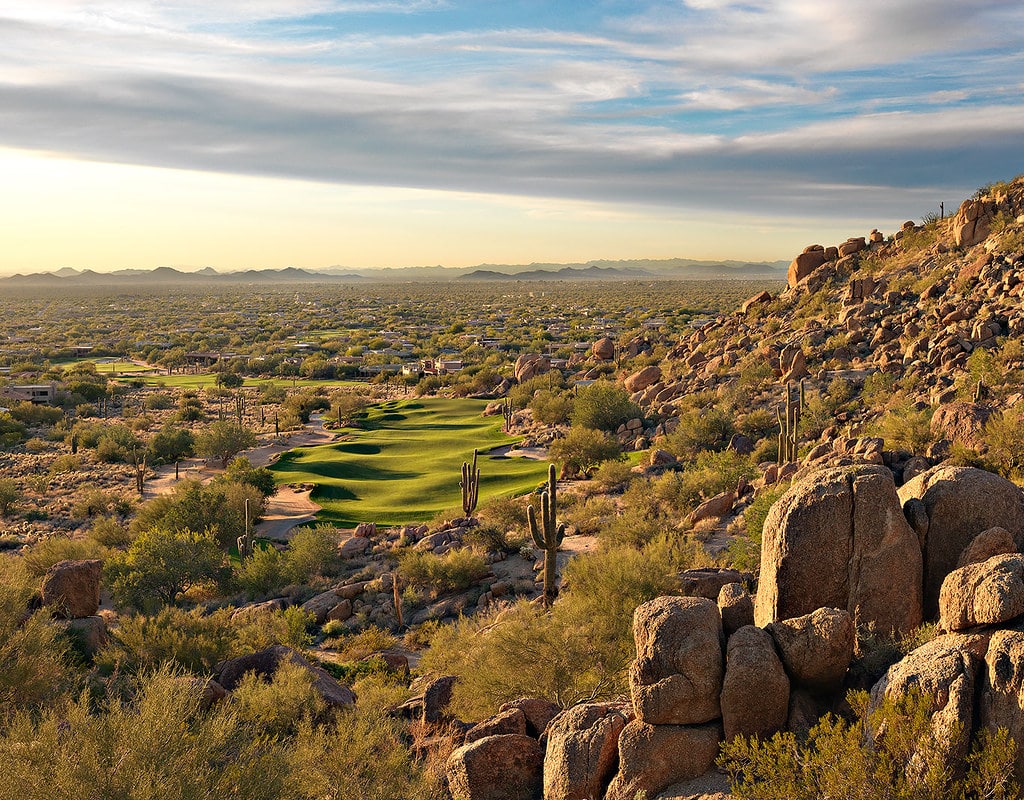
x=405, y=464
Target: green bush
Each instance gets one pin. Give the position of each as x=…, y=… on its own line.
x=47, y=552
x=279, y=706
x=700, y=430
x=584, y=449
x=311, y=552
x=10, y=495
x=160, y=565
x=454, y=571
x=108, y=532
x=893, y=753
x=603, y=406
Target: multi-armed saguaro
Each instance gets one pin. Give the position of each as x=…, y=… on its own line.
x=470, y=484
x=550, y=538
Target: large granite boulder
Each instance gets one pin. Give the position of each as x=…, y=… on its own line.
x=643, y=378
x=951, y=506
x=736, y=607
x=653, y=757
x=946, y=670
x=583, y=749
x=839, y=539
x=1002, y=693
x=71, y=589
x=988, y=593
x=816, y=648
x=505, y=767
x=755, y=691
x=677, y=675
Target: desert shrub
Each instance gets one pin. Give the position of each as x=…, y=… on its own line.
x=278, y=707
x=709, y=474
x=218, y=507
x=1005, y=444
x=159, y=401
x=506, y=513
x=94, y=503
x=613, y=475
x=311, y=552
x=551, y=408
x=745, y=551
x=893, y=752
x=263, y=574
x=241, y=470
x=700, y=430
x=366, y=757
x=47, y=552
x=906, y=428
x=879, y=390
x=491, y=539
x=583, y=449
x=36, y=415
x=356, y=646
x=579, y=651
x=756, y=423
x=160, y=565
x=156, y=737
x=454, y=571
x=10, y=496
x=34, y=655
x=603, y=406
x=108, y=532
x=11, y=431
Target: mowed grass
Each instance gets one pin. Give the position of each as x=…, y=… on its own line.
x=405, y=464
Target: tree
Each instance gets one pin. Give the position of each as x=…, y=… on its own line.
x=163, y=564
x=224, y=440
x=171, y=444
x=551, y=408
x=583, y=449
x=603, y=406
x=229, y=380
x=241, y=470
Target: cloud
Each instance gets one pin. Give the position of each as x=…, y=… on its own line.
x=793, y=103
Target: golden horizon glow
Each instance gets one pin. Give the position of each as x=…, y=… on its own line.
x=63, y=212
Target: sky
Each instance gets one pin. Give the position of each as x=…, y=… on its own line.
x=269, y=133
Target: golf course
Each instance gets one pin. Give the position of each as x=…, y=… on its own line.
x=403, y=464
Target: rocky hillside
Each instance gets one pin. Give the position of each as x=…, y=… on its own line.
x=927, y=318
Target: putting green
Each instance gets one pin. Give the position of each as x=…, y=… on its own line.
x=404, y=464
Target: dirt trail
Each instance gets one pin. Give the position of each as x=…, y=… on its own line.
x=286, y=509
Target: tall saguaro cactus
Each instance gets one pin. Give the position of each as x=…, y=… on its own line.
x=789, y=426
x=548, y=536
x=470, y=484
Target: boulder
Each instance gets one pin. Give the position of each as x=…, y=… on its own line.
x=530, y=365
x=708, y=581
x=355, y=546
x=71, y=589
x=603, y=349
x=436, y=697
x=89, y=635
x=677, y=675
x=538, y=713
x=804, y=264
x=817, y=648
x=993, y=542
x=963, y=423
x=653, y=757
x=736, y=607
x=265, y=663
x=321, y=605
x=497, y=768
x=715, y=508
x=366, y=530
x=640, y=380
x=954, y=505
x=945, y=670
x=839, y=539
x=504, y=722
x=1002, y=693
x=756, y=300
x=755, y=691
x=987, y=593
x=582, y=752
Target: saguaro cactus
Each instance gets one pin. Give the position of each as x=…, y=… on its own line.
x=789, y=426
x=247, y=540
x=470, y=484
x=507, y=411
x=548, y=537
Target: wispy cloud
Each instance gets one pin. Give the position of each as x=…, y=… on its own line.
x=698, y=104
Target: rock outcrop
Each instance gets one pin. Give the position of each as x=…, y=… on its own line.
x=955, y=505
x=497, y=768
x=653, y=757
x=816, y=648
x=582, y=751
x=677, y=675
x=755, y=691
x=839, y=539
x=71, y=589
x=986, y=593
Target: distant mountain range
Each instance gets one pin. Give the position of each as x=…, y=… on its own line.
x=667, y=269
